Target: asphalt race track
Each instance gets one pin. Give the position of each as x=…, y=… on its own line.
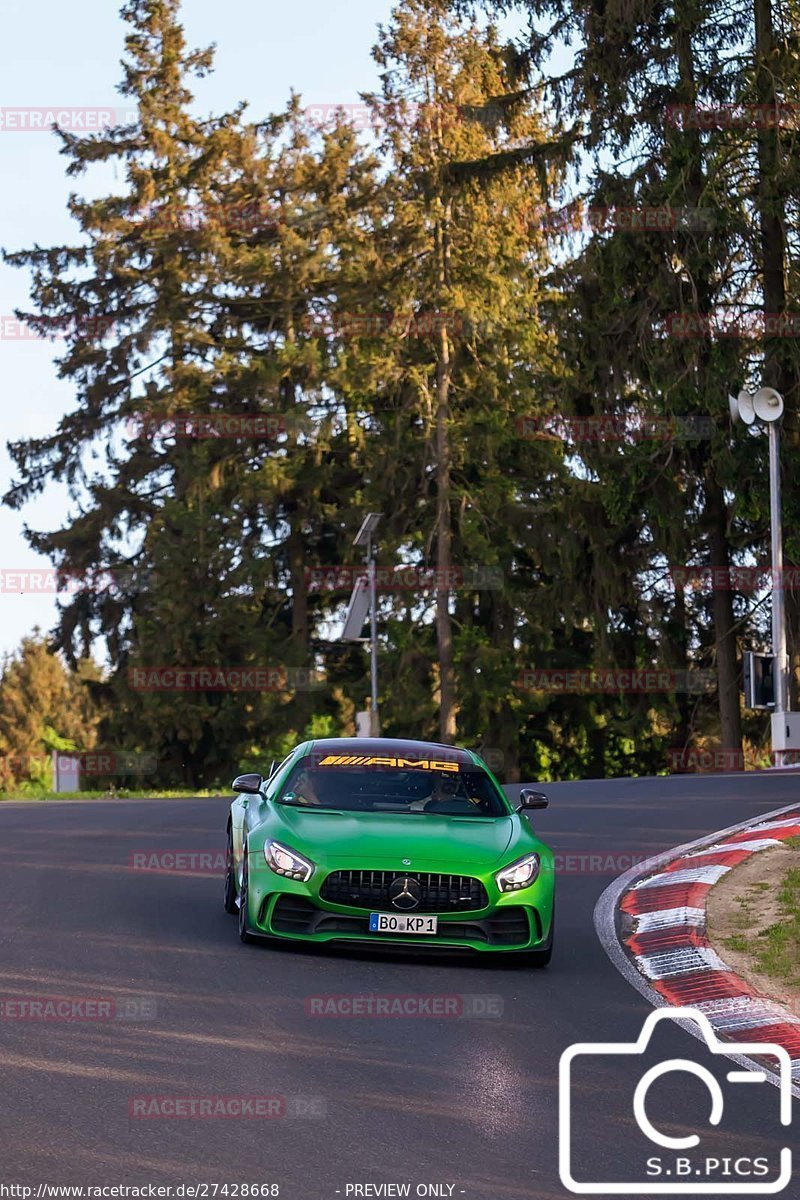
x=466, y=1102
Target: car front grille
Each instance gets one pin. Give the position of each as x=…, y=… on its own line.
x=295, y=915
x=370, y=889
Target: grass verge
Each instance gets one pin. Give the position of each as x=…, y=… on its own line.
x=754, y=921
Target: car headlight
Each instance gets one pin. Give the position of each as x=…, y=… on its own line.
x=286, y=862
x=519, y=874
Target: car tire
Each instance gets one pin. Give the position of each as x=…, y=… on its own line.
x=244, y=932
x=230, y=878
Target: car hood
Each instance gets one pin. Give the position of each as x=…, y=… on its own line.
x=384, y=838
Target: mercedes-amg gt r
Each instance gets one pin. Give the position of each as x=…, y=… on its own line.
x=386, y=841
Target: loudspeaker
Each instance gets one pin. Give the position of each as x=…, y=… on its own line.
x=744, y=403
x=768, y=404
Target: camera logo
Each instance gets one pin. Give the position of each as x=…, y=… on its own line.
x=677, y=1171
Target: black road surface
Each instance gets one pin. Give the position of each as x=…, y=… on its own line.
x=461, y=1106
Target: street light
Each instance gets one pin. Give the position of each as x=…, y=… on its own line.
x=766, y=407
x=366, y=538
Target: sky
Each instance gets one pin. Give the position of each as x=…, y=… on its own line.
x=66, y=57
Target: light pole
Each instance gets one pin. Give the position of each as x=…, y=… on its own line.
x=366, y=538
x=766, y=406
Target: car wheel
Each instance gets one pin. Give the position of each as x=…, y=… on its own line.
x=230, y=878
x=244, y=933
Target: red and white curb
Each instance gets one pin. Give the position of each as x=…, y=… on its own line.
x=652, y=923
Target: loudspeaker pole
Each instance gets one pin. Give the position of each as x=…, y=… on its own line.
x=781, y=672
x=766, y=408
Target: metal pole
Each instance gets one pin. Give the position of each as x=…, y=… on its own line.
x=778, y=617
x=373, y=637
x=781, y=667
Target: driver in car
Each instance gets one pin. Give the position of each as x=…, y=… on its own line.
x=443, y=787
x=304, y=791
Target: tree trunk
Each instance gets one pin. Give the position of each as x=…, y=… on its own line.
x=296, y=547
x=679, y=659
x=724, y=630
x=444, y=548
x=444, y=533
x=715, y=512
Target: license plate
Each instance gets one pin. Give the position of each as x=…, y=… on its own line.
x=401, y=923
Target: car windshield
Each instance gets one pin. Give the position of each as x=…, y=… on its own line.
x=460, y=790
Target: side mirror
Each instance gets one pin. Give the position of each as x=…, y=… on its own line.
x=529, y=798
x=247, y=783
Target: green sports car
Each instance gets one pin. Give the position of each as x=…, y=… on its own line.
x=354, y=840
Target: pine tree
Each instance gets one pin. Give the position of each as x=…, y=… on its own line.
x=458, y=279
x=641, y=80
x=187, y=301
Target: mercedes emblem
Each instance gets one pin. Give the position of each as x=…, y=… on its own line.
x=405, y=893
